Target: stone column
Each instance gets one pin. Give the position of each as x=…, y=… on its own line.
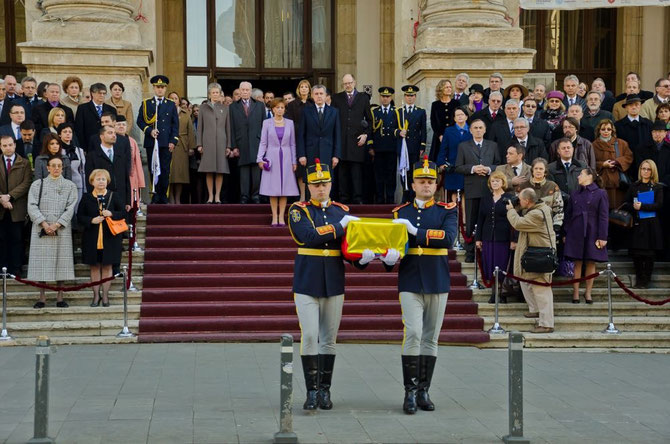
x=98, y=40
x=473, y=36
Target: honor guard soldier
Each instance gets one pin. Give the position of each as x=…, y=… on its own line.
x=411, y=126
x=159, y=121
x=423, y=281
x=318, y=227
x=383, y=145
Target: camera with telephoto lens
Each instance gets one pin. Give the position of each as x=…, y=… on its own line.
x=514, y=201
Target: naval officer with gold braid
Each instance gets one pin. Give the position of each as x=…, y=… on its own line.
x=423, y=281
x=318, y=227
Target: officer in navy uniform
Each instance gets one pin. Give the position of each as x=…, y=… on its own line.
x=318, y=226
x=384, y=146
x=411, y=127
x=157, y=118
x=423, y=281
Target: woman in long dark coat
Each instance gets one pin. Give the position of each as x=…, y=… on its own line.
x=100, y=248
x=494, y=233
x=586, y=222
x=647, y=235
x=441, y=114
x=294, y=113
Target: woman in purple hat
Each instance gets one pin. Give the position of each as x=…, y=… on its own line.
x=554, y=110
x=276, y=158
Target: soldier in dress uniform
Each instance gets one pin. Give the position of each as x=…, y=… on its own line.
x=423, y=281
x=384, y=147
x=318, y=226
x=158, y=120
x=411, y=127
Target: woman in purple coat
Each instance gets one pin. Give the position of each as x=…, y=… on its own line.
x=276, y=158
x=586, y=220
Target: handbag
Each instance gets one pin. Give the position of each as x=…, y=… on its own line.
x=624, y=180
x=621, y=217
x=540, y=259
x=116, y=226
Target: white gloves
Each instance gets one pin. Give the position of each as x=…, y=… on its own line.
x=392, y=256
x=411, y=229
x=346, y=219
x=367, y=257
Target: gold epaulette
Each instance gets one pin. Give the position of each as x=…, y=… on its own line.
x=341, y=205
x=400, y=206
x=147, y=120
x=447, y=206
x=302, y=204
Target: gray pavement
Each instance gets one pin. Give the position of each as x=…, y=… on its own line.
x=229, y=393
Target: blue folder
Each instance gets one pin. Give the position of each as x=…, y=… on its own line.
x=646, y=197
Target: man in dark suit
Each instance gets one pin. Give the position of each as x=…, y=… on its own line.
x=17, y=115
x=384, y=146
x=495, y=85
x=319, y=132
x=5, y=104
x=476, y=159
x=29, y=99
x=502, y=130
x=634, y=129
x=356, y=124
x=107, y=157
x=87, y=122
x=532, y=146
x=571, y=86
x=490, y=113
x=412, y=128
x=565, y=169
x=539, y=128
x=122, y=143
x=157, y=118
x=460, y=86
x=25, y=146
x=15, y=179
x=539, y=94
x=41, y=111
x=246, y=123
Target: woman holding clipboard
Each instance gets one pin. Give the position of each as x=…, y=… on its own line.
x=645, y=200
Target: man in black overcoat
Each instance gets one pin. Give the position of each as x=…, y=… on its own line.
x=87, y=121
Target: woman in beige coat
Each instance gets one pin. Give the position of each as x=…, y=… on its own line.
x=123, y=107
x=213, y=141
x=534, y=228
x=179, y=174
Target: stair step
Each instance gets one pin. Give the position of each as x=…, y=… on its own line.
x=81, y=298
x=585, y=323
x=73, y=313
x=580, y=339
x=69, y=328
x=154, y=210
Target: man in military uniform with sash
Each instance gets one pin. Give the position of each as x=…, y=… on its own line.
x=423, y=281
x=158, y=120
x=412, y=129
x=318, y=227
x=383, y=145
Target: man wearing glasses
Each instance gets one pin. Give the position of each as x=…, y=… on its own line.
x=490, y=113
x=539, y=128
x=648, y=110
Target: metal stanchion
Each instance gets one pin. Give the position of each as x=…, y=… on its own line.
x=139, y=208
x=285, y=433
x=125, y=333
x=4, y=336
x=136, y=245
x=496, y=329
x=459, y=245
x=515, y=387
x=475, y=283
x=41, y=424
x=611, y=329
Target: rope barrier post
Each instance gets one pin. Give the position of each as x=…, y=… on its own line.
x=611, y=329
x=475, y=283
x=41, y=423
x=4, y=336
x=125, y=333
x=459, y=245
x=496, y=329
x=139, y=210
x=515, y=387
x=285, y=433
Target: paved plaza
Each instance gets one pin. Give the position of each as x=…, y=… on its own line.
x=229, y=393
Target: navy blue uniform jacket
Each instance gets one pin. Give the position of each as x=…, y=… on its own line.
x=315, y=227
x=168, y=122
x=437, y=224
x=416, y=130
x=383, y=130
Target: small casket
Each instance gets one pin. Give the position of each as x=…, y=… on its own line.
x=376, y=234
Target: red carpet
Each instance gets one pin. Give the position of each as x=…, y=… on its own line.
x=221, y=273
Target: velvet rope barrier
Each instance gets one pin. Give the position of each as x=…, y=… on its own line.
x=487, y=282
x=467, y=239
x=554, y=284
x=630, y=293
x=55, y=288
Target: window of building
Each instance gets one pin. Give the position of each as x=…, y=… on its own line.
x=12, y=31
x=580, y=42
x=264, y=41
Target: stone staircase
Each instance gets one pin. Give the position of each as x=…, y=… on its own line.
x=577, y=325
x=80, y=323
x=582, y=325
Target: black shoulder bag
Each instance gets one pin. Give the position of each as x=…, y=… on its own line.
x=540, y=259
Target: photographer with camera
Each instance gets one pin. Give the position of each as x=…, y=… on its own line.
x=534, y=227
x=453, y=136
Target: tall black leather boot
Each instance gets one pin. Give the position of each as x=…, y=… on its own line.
x=648, y=271
x=639, y=272
x=310, y=368
x=410, y=377
x=326, y=364
x=426, y=367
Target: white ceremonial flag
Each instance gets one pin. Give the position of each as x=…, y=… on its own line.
x=588, y=4
x=155, y=166
x=403, y=165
